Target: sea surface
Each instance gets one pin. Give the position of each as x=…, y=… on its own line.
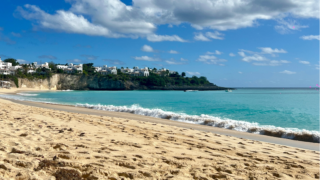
x=286, y=113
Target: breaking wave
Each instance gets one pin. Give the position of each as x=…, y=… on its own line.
x=25, y=98
x=289, y=133
x=24, y=94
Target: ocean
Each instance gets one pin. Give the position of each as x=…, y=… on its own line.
x=283, y=112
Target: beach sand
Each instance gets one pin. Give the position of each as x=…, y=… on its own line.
x=17, y=90
x=39, y=143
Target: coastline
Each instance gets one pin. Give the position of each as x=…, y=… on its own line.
x=19, y=90
x=45, y=141
x=228, y=132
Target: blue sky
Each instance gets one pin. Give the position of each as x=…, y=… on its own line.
x=273, y=43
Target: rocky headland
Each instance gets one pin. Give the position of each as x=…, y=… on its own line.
x=76, y=82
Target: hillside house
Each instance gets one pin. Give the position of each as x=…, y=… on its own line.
x=6, y=68
x=71, y=68
x=104, y=70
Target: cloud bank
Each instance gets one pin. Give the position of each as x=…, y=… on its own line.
x=114, y=19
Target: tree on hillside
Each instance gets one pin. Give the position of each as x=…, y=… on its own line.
x=183, y=74
x=53, y=66
x=13, y=61
x=175, y=75
x=195, y=80
x=25, y=68
x=88, y=68
x=119, y=72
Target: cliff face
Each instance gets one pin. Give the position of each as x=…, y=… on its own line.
x=40, y=83
x=64, y=81
x=89, y=83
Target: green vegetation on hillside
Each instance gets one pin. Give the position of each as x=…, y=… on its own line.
x=11, y=60
x=88, y=70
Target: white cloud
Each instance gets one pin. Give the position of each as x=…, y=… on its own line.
x=113, y=18
x=268, y=50
x=215, y=35
x=232, y=55
x=74, y=61
x=242, y=54
x=173, y=52
x=311, y=37
x=22, y=61
x=207, y=59
x=158, y=38
x=240, y=72
x=223, y=15
x=16, y=34
x=304, y=62
x=272, y=63
x=193, y=73
x=200, y=37
x=208, y=35
x=64, y=21
x=258, y=58
x=254, y=57
x=284, y=27
x=216, y=52
x=90, y=57
x=174, y=62
x=102, y=25
x=146, y=58
x=114, y=62
x=47, y=57
x=147, y=48
x=287, y=72
x=317, y=66
x=284, y=61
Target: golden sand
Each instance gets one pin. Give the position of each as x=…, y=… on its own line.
x=37, y=143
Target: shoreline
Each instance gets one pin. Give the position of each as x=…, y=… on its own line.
x=19, y=90
x=46, y=141
x=246, y=135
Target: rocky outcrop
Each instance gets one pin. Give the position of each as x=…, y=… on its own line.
x=76, y=82
x=50, y=83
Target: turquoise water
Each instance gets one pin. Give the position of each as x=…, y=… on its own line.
x=290, y=110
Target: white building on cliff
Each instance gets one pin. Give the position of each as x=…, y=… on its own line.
x=136, y=71
x=104, y=70
x=6, y=68
x=70, y=68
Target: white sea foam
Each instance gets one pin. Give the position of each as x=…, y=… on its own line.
x=20, y=98
x=25, y=98
x=289, y=133
x=24, y=94
x=67, y=90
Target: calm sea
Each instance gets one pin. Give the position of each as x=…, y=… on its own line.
x=253, y=110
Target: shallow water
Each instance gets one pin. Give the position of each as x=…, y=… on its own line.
x=288, y=110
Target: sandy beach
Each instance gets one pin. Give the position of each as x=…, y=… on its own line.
x=48, y=143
